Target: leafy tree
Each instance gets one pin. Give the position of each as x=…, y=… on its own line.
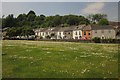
x=39, y=20
x=56, y=20
x=11, y=32
x=95, y=18
x=26, y=31
x=103, y=22
x=73, y=20
x=9, y=21
x=31, y=12
x=21, y=20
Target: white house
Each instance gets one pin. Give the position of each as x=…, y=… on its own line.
x=77, y=32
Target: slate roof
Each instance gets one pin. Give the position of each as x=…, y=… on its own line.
x=79, y=27
x=56, y=29
x=68, y=29
x=88, y=27
x=96, y=27
x=38, y=30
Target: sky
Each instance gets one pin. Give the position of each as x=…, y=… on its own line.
x=62, y=8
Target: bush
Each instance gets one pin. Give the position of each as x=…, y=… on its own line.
x=110, y=40
x=48, y=37
x=41, y=37
x=96, y=39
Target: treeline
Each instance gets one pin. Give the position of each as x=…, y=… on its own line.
x=23, y=24
x=32, y=20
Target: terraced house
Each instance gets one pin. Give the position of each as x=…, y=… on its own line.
x=86, y=32
x=104, y=32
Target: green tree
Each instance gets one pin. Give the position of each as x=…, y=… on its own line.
x=56, y=20
x=31, y=12
x=9, y=21
x=73, y=20
x=103, y=22
x=26, y=31
x=11, y=32
x=95, y=18
x=21, y=20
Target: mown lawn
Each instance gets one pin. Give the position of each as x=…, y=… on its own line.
x=44, y=59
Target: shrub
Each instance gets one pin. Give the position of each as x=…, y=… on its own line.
x=41, y=37
x=48, y=37
x=96, y=39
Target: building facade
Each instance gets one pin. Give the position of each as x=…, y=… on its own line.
x=103, y=32
x=85, y=32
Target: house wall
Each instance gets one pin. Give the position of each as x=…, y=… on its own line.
x=36, y=33
x=68, y=35
x=60, y=35
x=106, y=33
x=77, y=34
x=43, y=34
x=86, y=36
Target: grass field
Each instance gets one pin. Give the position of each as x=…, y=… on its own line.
x=44, y=59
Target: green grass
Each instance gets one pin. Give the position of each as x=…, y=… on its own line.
x=44, y=59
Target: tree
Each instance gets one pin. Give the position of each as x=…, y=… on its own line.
x=31, y=12
x=56, y=20
x=21, y=20
x=73, y=20
x=103, y=22
x=95, y=18
x=11, y=32
x=26, y=31
x=39, y=20
x=9, y=21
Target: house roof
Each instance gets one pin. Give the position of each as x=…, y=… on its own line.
x=71, y=28
x=96, y=27
x=88, y=27
x=79, y=27
x=46, y=30
x=49, y=29
x=43, y=30
x=38, y=30
x=56, y=29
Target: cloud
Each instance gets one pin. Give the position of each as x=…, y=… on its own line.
x=93, y=8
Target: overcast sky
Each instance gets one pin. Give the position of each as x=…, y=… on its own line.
x=62, y=8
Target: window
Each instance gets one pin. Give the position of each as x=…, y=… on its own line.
x=59, y=33
x=102, y=31
x=80, y=36
x=79, y=33
x=76, y=33
x=88, y=33
x=69, y=33
x=95, y=31
x=84, y=33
